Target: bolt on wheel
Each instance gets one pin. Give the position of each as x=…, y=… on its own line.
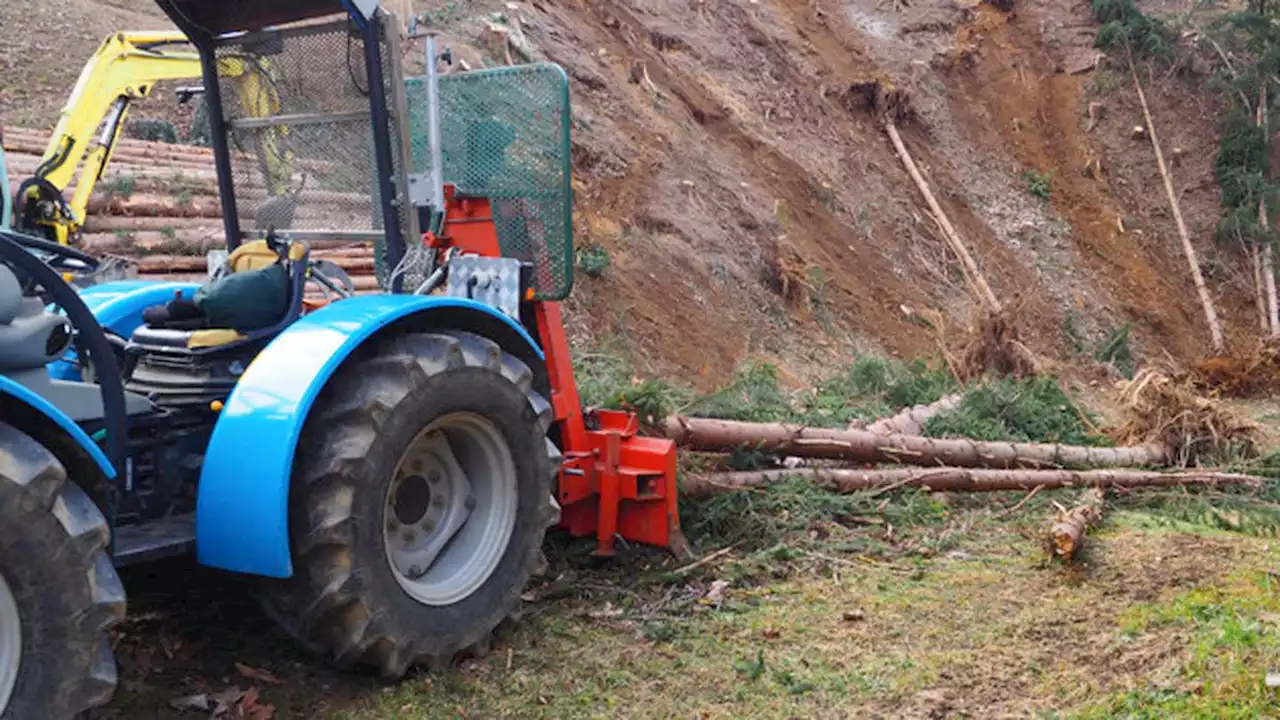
x=450, y=509
x=10, y=643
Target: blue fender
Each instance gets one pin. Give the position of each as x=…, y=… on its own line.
x=23, y=394
x=118, y=307
x=242, y=513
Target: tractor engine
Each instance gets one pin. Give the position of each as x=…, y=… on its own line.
x=167, y=446
x=185, y=383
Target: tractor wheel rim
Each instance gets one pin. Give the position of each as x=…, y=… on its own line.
x=10, y=643
x=450, y=509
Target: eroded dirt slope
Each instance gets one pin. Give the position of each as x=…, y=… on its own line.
x=794, y=184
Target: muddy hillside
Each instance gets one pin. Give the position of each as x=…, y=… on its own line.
x=738, y=196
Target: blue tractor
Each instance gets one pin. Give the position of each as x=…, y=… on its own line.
x=388, y=463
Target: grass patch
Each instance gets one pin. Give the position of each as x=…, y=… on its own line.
x=1114, y=349
x=752, y=395
x=1034, y=410
x=986, y=633
x=1228, y=509
x=1234, y=641
x=778, y=510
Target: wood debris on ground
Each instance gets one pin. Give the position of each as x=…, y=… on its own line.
x=1195, y=429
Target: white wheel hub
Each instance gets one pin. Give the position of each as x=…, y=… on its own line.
x=450, y=509
x=10, y=643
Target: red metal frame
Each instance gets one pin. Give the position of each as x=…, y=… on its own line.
x=613, y=481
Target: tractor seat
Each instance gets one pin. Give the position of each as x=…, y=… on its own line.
x=184, y=328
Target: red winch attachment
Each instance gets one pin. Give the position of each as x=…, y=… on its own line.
x=614, y=482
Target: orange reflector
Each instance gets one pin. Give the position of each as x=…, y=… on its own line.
x=216, y=406
x=66, y=277
x=528, y=294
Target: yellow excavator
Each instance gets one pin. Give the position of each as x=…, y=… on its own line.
x=126, y=68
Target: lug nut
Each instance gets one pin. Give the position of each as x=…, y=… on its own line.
x=434, y=477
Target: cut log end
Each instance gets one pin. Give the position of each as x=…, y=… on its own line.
x=1066, y=537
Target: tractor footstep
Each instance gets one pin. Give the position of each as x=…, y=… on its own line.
x=166, y=537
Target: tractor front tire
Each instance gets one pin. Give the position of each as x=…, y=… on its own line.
x=421, y=495
x=59, y=593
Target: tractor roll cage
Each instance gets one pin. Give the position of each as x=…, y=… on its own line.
x=228, y=25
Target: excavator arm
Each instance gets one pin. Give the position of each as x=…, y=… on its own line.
x=125, y=68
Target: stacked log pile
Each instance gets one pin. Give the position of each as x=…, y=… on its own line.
x=157, y=203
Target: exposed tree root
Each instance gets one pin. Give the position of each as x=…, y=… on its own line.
x=995, y=348
x=1194, y=428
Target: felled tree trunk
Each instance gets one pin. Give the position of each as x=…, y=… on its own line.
x=189, y=241
x=910, y=421
x=1268, y=263
x=956, y=479
x=1259, y=297
x=118, y=223
x=868, y=447
x=1197, y=277
x=155, y=206
x=973, y=274
x=194, y=241
x=1067, y=534
x=193, y=263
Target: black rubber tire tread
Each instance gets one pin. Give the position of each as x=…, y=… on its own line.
x=53, y=543
x=343, y=601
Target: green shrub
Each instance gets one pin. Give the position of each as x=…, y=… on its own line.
x=1034, y=410
x=121, y=186
x=152, y=130
x=1037, y=183
x=593, y=260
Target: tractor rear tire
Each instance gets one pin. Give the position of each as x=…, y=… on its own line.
x=58, y=588
x=370, y=491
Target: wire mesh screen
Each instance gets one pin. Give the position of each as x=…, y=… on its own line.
x=505, y=136
x=300, y=130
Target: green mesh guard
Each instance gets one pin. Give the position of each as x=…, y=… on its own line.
x=505, y=135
